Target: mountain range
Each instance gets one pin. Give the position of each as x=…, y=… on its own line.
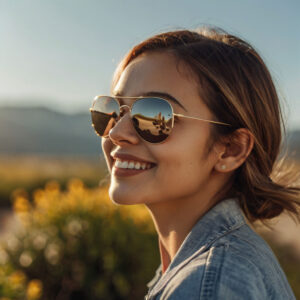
x=40, y=130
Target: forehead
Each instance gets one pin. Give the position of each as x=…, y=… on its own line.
x=160, y=72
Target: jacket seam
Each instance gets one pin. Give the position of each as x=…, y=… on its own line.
x=211, y=273
x=193, y=256
x=229, y=231
x=258, y=253
x=268, y=291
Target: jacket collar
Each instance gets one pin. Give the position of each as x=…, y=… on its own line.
x=219, y=220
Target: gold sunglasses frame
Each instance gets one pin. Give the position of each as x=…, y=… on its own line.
x=155, y=97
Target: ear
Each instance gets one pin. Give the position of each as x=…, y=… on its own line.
x=234, y=150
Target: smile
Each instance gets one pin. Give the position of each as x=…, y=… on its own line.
x=130, y=164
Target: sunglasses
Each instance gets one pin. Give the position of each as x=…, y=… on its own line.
x=152, y=117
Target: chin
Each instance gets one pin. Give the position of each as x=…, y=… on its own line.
x=119, y=197
x=124, y=195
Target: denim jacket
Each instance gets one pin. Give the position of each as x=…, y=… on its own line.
x=221, y=258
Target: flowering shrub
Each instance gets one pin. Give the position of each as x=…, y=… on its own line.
x=76, y=244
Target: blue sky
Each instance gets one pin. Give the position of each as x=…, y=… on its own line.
x=61, y=53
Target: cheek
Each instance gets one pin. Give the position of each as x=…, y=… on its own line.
x=189, y=168
x=186, y=148
x=183, y=163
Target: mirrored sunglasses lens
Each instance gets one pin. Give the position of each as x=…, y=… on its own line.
x=104, y=112
x=152, y=119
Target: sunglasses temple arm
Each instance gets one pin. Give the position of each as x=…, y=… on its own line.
x=194, y=118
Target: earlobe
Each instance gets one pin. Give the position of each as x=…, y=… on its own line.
x=221, y=167
x=237, y=149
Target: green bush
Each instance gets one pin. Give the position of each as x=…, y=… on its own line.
x=77, y=245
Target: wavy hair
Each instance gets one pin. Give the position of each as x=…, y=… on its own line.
x=239, y=90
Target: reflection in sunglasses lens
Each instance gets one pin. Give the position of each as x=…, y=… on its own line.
x=152, y=119
x=104, y=112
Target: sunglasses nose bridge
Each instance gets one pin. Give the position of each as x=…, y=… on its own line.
x=123, y=109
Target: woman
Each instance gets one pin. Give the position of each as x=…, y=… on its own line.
x=192, y=130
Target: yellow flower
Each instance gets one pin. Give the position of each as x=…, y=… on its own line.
x=75, y=185
x=139, y=214
x=17, y=278
x=21, y=204
x=52, y=187
x=34, y=290
x=39, y=197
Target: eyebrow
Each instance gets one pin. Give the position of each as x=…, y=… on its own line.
x=157, y=94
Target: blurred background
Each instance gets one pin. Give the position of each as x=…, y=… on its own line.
x=60, y=236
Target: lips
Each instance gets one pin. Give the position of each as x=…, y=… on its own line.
x=125, y=164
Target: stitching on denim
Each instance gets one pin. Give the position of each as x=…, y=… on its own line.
x=211, y=273
x=274, y=271
x=162, y=283
x=235, y=227
x=245, y=259
x=269, y=291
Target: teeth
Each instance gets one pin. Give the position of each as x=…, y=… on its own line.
x=131, y=165
x=121, y=164
x=124, y=164
x=118, y=163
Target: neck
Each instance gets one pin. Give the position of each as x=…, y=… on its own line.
x=175, y=218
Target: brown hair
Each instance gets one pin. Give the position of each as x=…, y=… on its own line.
x=239, y=90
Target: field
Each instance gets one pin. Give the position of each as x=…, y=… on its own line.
x=32, y=172
x=49, y=190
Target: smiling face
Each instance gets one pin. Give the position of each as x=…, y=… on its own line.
x=181, y=167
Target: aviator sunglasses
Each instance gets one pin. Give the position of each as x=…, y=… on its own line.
x=152, y=117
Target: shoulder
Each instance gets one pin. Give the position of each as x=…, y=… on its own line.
x=240, y=265
x=243, y=266
x=230, y=274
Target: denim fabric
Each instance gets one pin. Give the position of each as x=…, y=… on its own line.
x=221, y=258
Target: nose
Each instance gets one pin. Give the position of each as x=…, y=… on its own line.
x=123, y=133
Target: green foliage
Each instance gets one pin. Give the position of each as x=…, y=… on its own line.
x=74, y=243
x=77, y=245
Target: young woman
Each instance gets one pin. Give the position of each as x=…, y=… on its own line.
x=192, y=130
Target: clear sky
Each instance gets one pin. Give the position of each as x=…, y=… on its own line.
x=61, y=53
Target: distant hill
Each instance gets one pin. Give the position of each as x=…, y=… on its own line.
x=43, y=131
x=293, y=142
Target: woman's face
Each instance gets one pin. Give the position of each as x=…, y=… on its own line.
x=183, y=167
